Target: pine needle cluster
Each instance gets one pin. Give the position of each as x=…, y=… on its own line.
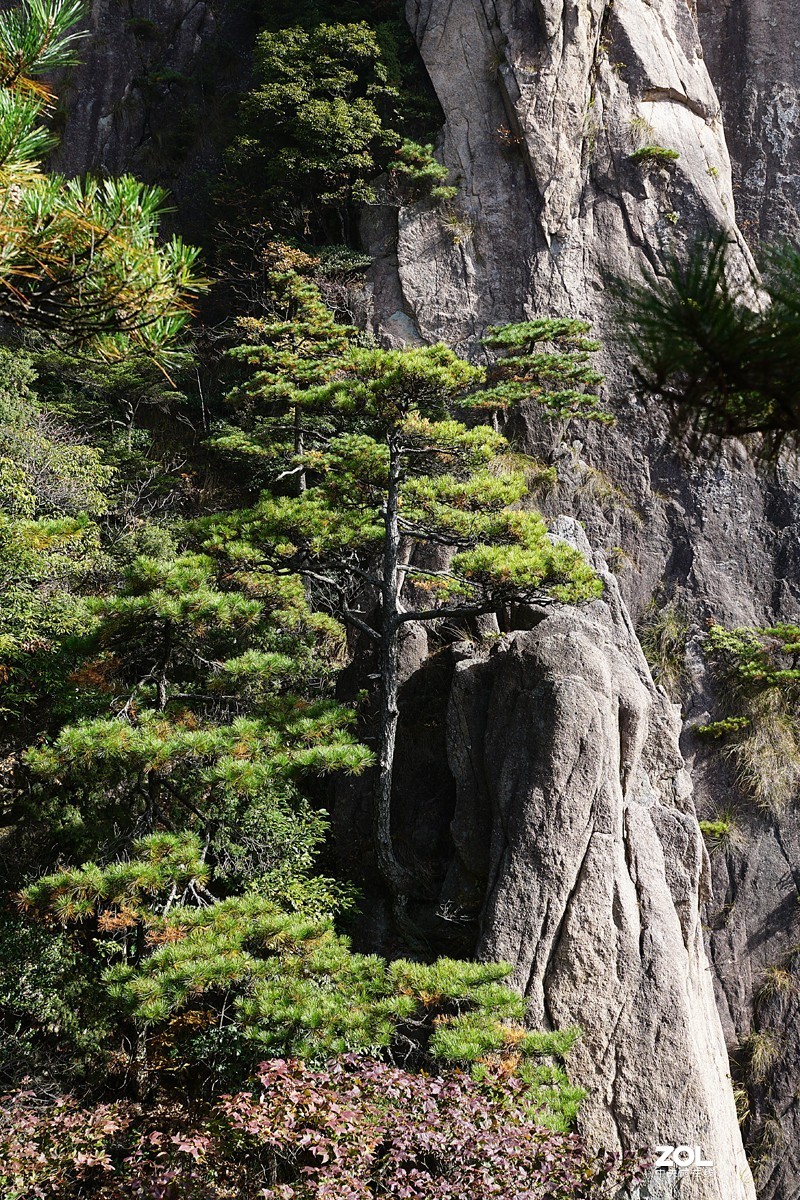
x=79, y=259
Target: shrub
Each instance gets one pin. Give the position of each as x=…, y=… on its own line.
x=663, y=634
x=418, y=176
x=759, y=681
x=312, y=131
x=722, y=833
x=227, y=983
x=356, y=1128
x=656, y=155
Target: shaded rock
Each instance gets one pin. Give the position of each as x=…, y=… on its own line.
x=154, y=95
x=752, y=48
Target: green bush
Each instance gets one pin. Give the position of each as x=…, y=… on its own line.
x=757, y=673
x=655, y=155
x=313, y=130
x=418, y=176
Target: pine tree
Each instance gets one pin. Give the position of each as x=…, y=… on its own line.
x=78, y=259
x=391, y=473
x=294, y=348
x=199, y=704
x=237, y=979
x=547, y=360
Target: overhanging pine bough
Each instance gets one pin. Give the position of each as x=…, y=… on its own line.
x=78, y=259
x=719, y=345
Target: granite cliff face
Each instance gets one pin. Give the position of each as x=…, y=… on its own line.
x=576, y=836
x=554, y=801
x=753, y=54
x=547, y=103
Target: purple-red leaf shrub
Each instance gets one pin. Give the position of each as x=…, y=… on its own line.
x=355, y=1130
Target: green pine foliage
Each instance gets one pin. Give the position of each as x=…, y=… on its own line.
x=370, y=455
x=80, y=258
x=456, y=486
x=239, y=979
x=329, y=412
x=548, y=361
x=312, y=129
x=717, y=345
x=192, y=710
x=418, y=176
x=652, y=155
x=182, y=577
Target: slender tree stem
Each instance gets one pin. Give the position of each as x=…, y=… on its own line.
x=393, y=872
x=298, y=446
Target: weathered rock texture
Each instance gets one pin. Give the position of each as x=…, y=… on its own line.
x=575, y=834
x=153, y=95
x=546, y=103
x=753, y=53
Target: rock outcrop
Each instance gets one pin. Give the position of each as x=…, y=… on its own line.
x=556, y=113
x=546, y=106
x=575, y=833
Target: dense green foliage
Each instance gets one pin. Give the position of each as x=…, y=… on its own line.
x=655, y=155
x=547, y=360
x=331, y=123
x=170, y=697
x=319, y=97
x=384, y=472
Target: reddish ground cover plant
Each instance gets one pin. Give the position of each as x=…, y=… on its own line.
x=354, y=1130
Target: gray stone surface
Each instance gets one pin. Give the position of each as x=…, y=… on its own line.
x=545, y=105
x=752, y=48
x=542, y=215
x=574, y=817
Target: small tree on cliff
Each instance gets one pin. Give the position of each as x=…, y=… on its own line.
x=390, y=475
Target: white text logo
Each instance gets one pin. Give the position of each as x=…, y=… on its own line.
x=681, y=1156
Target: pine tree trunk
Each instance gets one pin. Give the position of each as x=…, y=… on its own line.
x=298, y=446
x=393, y=872
x=166, y=653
